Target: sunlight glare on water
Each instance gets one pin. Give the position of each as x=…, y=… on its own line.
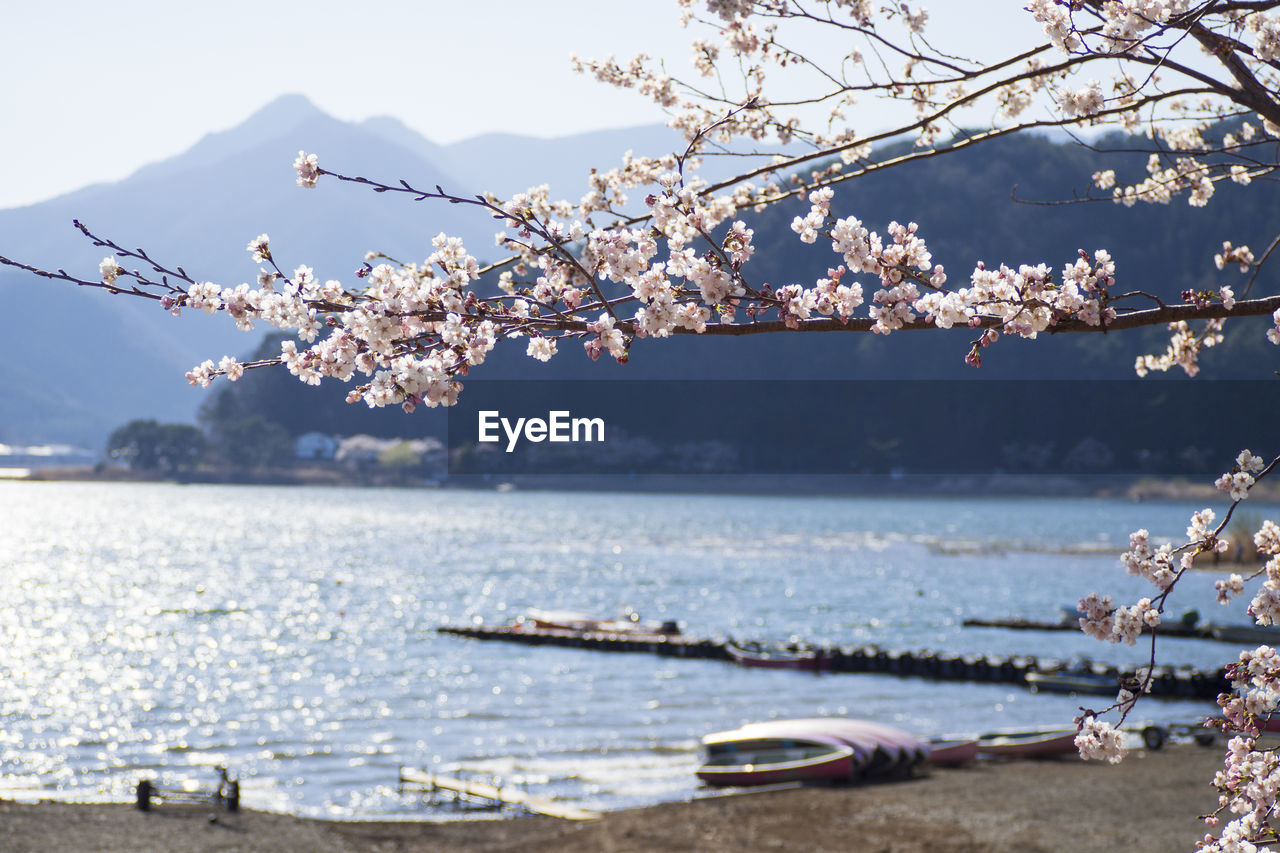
x=289, y=634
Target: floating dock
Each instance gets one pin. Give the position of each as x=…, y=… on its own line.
x=1168, y=682
x=493, y=793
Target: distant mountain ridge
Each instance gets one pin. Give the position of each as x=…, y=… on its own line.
x=75, y=364
x=507, y=163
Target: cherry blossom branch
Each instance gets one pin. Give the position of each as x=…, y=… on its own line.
x=1103, y=620
x=1257, y=267
x=600, y=274
x=62, y=275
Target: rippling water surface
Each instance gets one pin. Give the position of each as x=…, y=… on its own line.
x=155, y=630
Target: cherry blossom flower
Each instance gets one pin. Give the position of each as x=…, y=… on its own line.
x=109, y=269
x=230, y=368
x=541, y=348
x=1098, y=740
x=259, y=248
x=308, y=169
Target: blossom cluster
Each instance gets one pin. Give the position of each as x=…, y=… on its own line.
x=1025, y=302
x=1238, y=480
x=1154, y=566
x=1085, y=101
x=369, y=332
x=1103, y=620
x=414, y=329
x=752, y=39
x=1265, y=607
x=1185, y=347
x=1249, y=782
x=1098, y=740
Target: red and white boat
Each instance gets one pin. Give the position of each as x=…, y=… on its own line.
x=809, y=750
x=950, y=752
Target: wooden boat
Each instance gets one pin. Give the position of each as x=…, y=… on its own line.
x=1028, y=744
x=1073, y=682
x=774, y=657
x=770, y=760
x=573, y=620
x=809, y=750
x=950, y=752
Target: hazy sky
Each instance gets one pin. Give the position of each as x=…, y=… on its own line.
x=93, y=90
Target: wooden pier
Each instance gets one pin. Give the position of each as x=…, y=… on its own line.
x=226, y=795
x=1167, y=682
x=668, y=645
x=1165, y=629
x=493, y=793
x=1234, y=634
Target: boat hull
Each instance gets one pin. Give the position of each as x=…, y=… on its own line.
x=1072, y=682
x=876, y=751
x=762, y=658
x=771, y=767
x=1028, y=744
x=952, y=752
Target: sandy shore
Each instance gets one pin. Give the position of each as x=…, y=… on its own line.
x=1148, y=803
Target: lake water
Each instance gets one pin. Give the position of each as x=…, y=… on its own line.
x=161, y=631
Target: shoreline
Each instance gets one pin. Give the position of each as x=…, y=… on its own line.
x=1125, y=487
x=1149, y=802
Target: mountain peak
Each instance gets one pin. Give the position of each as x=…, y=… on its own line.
x=285, y=111
x=277, y=116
